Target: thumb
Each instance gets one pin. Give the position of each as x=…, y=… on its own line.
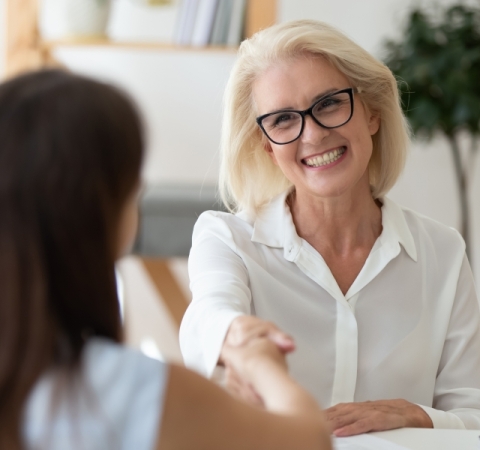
x=282, y=340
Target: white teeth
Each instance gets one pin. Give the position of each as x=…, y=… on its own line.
x=326, y=158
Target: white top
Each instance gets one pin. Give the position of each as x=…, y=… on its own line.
x=408, y=327
x=116, y=403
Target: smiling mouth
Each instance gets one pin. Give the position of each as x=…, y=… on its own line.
x=326, y=158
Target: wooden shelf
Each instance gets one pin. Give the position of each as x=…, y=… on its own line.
x=48, y=46
x=26, y=50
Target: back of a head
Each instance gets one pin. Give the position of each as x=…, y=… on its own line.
x=70, y=155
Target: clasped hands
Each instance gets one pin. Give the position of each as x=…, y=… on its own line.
x=344, y=419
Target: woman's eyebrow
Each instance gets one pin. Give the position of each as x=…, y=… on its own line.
x=317, y=97
x=323, y=94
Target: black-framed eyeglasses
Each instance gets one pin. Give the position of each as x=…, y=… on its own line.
x=331, y=111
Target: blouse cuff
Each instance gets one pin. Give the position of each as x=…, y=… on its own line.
x=214, y=337
x=443, y=419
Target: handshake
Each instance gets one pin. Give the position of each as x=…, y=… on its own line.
x=256, y=371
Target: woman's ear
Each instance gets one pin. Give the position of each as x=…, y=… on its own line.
x=268, y=149
x=373, y=124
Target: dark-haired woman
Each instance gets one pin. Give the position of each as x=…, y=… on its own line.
x=70, y=157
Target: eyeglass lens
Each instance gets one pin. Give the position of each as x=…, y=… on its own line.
x=332, y=111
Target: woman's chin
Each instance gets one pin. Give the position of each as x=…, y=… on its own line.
x=335, y=187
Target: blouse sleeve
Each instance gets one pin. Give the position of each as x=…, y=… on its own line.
x=456, y=402
x=220, y=292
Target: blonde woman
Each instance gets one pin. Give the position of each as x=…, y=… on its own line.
x=374, y=304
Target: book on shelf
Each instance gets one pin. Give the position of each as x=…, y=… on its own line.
x=180, y=22
x=221, y=24
x=214, y=22
x=185, y=22
x=204, y=21
x=237, y=23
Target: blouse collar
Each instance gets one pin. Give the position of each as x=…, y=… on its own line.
x=274, y=227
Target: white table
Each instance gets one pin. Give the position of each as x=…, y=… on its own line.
x=428, y=439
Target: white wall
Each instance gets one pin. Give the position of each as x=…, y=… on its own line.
x=2, y=37
x=180, y=94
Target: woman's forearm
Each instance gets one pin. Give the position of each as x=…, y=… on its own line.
x=280, y=393
x=263, y=366
x=198, y=414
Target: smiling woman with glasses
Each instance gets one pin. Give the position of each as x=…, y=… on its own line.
x=373, y=305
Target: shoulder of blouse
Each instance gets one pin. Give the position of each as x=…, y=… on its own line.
x=425, y=229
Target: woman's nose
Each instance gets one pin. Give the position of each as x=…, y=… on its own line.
x=312, y=131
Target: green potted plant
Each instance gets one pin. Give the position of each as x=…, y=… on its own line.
x=438, y=59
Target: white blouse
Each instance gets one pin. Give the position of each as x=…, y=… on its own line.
x=408, y=327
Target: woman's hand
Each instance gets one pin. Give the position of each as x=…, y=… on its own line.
x=243, y=331
x=240, y=388
x=250, y=359
x=262, y=367
x=246, y=328
x=346, y=419
x=242, y=364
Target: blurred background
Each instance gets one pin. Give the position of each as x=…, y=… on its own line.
x=174, y=58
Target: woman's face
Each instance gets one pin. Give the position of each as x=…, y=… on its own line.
x=297, y=84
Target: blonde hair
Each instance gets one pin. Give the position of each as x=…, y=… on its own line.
x=248, y=177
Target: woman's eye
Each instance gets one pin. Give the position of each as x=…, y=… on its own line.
x=332, y=103
x=282, y=119
x=329, y=102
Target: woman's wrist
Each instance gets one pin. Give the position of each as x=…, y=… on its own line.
x=280, y=393
x=263, y=367
x=420, y=418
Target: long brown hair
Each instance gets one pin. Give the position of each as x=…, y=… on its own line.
x=70, y=155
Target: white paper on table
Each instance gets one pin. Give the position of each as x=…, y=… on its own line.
x=364, y=442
